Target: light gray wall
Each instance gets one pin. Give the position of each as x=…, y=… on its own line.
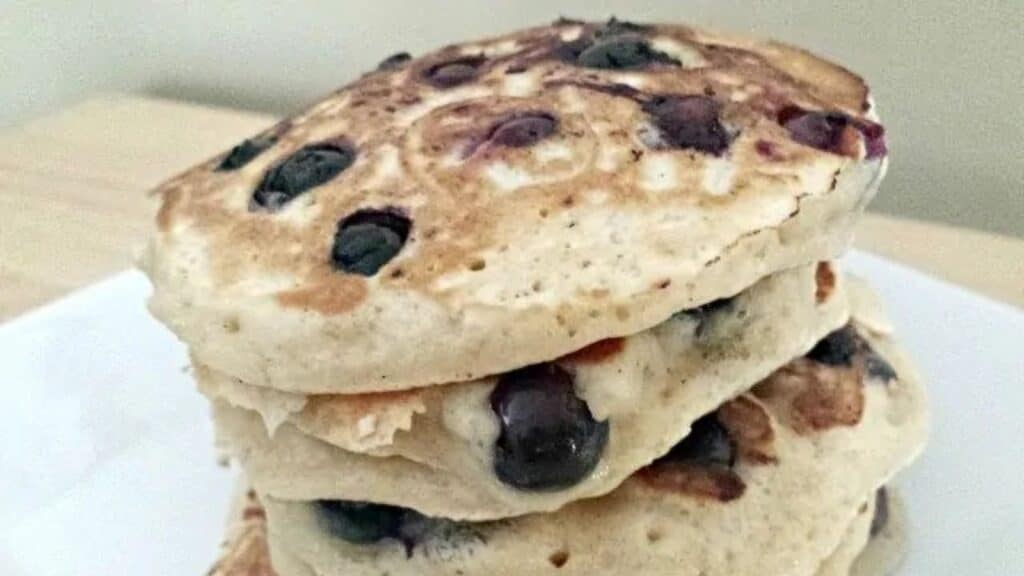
x=948, y=75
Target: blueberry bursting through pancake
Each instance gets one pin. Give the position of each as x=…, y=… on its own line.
x=533, y=439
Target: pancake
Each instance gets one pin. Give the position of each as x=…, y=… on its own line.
x=776, y=495
x=508, y=201
x=245, y=551
x=439, y=450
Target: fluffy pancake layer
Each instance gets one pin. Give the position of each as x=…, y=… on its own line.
x=246, y=552
x=504, y=202
x=434, y=449
x=797, y=487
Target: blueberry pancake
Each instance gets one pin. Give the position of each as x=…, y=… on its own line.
x=245, y=551
x=768, y=484
x=502, y=203
x=537, y=438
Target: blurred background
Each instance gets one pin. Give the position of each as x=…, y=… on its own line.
x=947, y=75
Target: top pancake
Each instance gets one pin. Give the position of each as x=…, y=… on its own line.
x=508, y=201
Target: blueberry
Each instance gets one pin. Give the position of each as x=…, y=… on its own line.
x=394, y=61
x=689, y=122
x=701, y=464
x=879, y=368
x=874, y=139
x=523, y=130
x=243, y=153
x=708, y=443
x=838, y=348
x=454, y=72
x=549, y=440
x=363, y=522
x=824, y=130
x=307, y=168
x=821, y=130
x=622, y=53
x=367, y=523
x=368, y=239
x=881, y=517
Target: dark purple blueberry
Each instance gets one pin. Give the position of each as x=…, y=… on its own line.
x=368, y=239
x=838, y=348
x=523, y=130
x=454, y=72
x=367, y=523
x=874, y=139
x=689, y=122
x=824, y=130
x=879, y=368
x=622, y=53
x=881, y=517
x=615, y=45
x=394, y=61
x=307, y=168
x=549, y=440
x=363, y=522
x=708, y=443
x=243, y=153
x=821, y=130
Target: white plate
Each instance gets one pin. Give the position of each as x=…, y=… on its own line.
x=107, y=465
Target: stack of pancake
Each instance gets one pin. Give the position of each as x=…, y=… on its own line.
x=559, y=302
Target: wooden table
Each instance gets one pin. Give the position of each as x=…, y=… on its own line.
x=74, y=205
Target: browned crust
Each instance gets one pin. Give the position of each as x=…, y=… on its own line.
x=710, y=482
x=245, y=552
x=825, y=279
x=165, y=215
x=336, y=296
x=750, y=426
x=463, y=214
x=819, y=396
x=596, y=353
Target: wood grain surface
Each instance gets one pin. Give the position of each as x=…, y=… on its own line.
x=73, y=197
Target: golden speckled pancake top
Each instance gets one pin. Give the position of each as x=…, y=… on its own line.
x=507, y=201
